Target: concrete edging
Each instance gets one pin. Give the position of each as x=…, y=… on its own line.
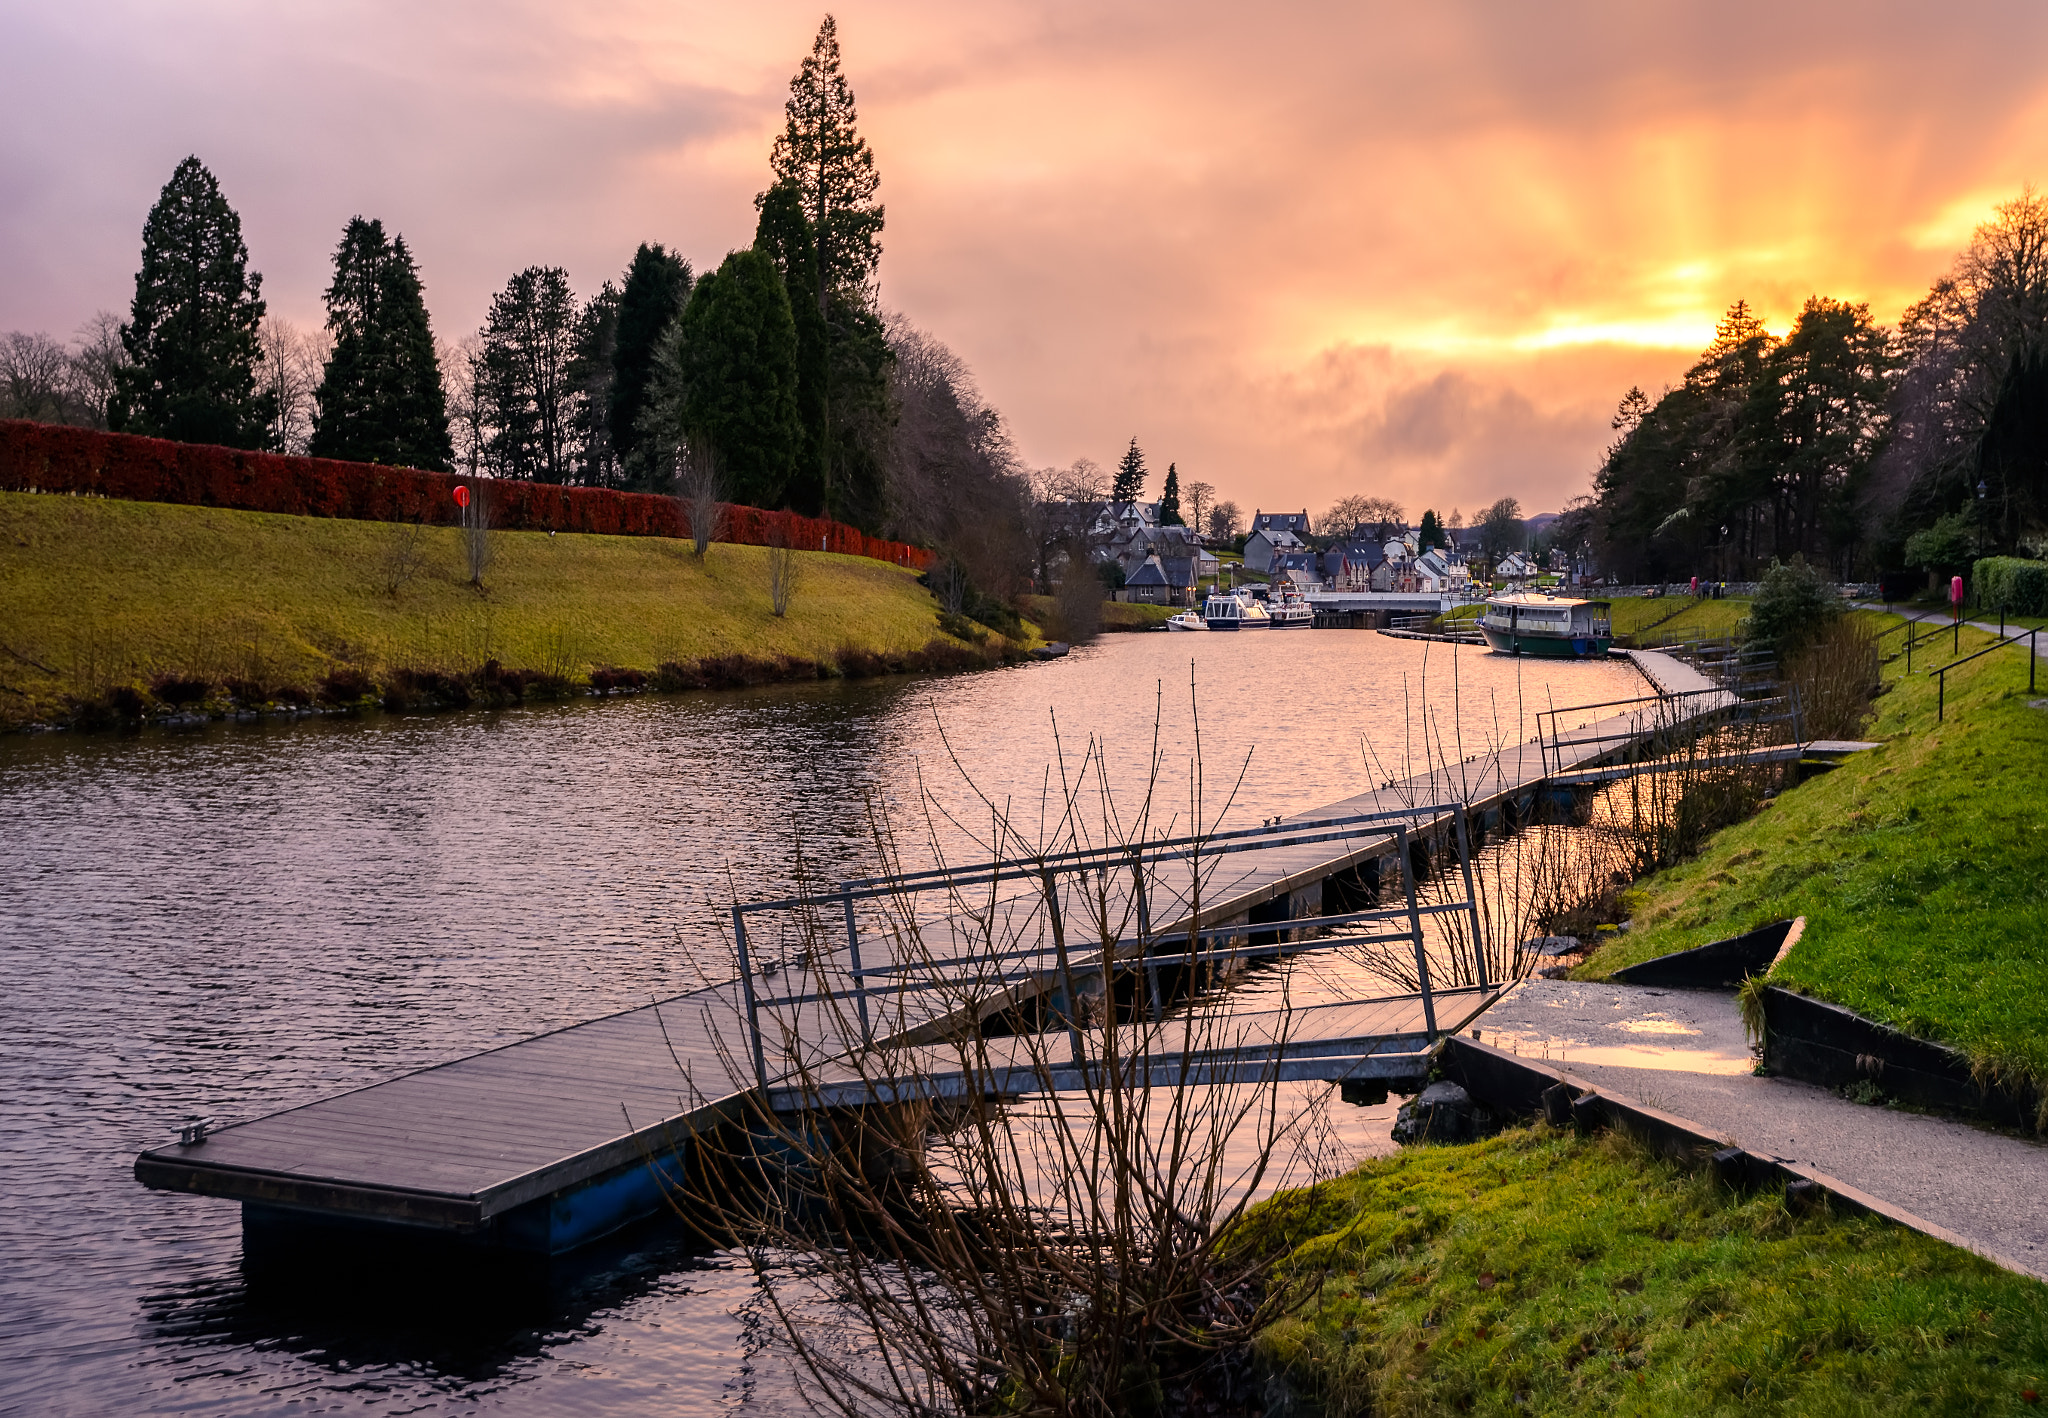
x=1826, y=1044
x=1509, y=1083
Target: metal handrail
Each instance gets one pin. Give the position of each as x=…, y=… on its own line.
x=1941, y=675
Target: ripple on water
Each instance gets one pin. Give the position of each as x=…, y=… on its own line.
x=237, y=920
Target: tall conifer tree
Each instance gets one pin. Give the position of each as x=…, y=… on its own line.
x=523, y=377
x=785, y=236
x=733, y=375
x=381, y=397
x=1169, y=499
x=191, y=332
x=823, y=157
x=656, y=289
x=1129, y=485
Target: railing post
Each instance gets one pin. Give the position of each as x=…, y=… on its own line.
x=860, y=982
x=1941, y=694
x=2033, y=654
x=739, y=935
x=1415, y=925
x=1145, y=934
x=1059, y=946
x=1472, y=901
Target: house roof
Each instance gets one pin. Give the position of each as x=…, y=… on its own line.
x=1179, y=570
x=1150, y=574
x=1296, y=522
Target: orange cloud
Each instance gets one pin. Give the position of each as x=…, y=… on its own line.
x=1299, y=250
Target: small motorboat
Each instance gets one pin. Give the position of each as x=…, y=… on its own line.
x=1187, y=620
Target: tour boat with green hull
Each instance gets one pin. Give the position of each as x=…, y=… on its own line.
x=1554, y=627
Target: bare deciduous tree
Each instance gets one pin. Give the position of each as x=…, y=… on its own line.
x=479, y=544
x=293, y=360
x=700, y=492
x=99, y=356
x=1226, y=520
x=405, y=551
x=34, y=377
x=1200, y=497
x=1359, y=510
x=465, y=413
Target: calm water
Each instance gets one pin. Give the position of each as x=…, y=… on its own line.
x=236, y=920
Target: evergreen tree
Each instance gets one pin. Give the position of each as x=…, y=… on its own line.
x=785, y=236
x=1130, y=476
x=732, y=377
x=1432, y=531
x=380, y=398
x=1169, y=499
x=593, y=385
x=657, y=287
x=823, y=157
x=522, y=373
x=191, y=332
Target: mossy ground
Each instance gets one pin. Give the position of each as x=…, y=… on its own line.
x=1541, y=1273
x=1919, y=867
x=98, y=593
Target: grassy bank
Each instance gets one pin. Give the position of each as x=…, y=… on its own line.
x=1668, y=619
x=1116, y=615
x=100, y=594
x=1541, y=1273
x=1918, y=867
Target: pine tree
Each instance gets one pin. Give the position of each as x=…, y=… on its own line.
x=1130, y=476
x=191, y=333
x=380, y=398
x=1169, y=499
x=734, y=377
x=823, y=157
x=523, y=382
x=1432, y=531
x=657, y=287
x=785, y=236
x=593, y=384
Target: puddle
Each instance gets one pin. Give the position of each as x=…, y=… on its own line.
x=1564, y=1052
x=1654, y=1026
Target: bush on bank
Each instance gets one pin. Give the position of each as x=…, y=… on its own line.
x=2011, y=584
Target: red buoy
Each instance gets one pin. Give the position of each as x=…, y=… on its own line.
x=461, y=495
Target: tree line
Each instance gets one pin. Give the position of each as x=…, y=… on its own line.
x=1856, y=446
x=777, y=368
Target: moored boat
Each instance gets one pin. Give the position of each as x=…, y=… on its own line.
x=1552, y=627
x=1234, y=610
x=1187, y=620
x=1290, y=610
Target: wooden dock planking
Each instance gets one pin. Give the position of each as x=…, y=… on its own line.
x=460, y=1144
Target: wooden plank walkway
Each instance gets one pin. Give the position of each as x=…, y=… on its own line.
x=456, y=1146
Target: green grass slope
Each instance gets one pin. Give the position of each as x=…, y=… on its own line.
x=96, y=593
x=1921, y=867
x=1540, y=1273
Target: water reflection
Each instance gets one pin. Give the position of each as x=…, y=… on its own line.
x=240, y=919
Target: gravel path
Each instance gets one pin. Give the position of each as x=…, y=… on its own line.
x=1684, y=1051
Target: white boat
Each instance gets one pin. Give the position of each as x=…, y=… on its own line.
x=1234, y=610
x=1290, y=610
x=1187, y=620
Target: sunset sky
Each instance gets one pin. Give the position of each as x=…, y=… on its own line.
x=1300, y=250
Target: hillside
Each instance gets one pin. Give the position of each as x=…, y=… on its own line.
x=102, y=594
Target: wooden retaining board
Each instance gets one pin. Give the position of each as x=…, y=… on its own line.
x=456, y=1145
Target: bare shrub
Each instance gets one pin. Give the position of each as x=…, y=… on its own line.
x=1092, y=1249
x=405, y=552
x=700, y=493
x=1835, y=677
x=785, y=571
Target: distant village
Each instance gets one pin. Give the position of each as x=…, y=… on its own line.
x=1145, y=559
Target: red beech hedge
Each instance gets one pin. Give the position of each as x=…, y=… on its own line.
x=45, y=457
